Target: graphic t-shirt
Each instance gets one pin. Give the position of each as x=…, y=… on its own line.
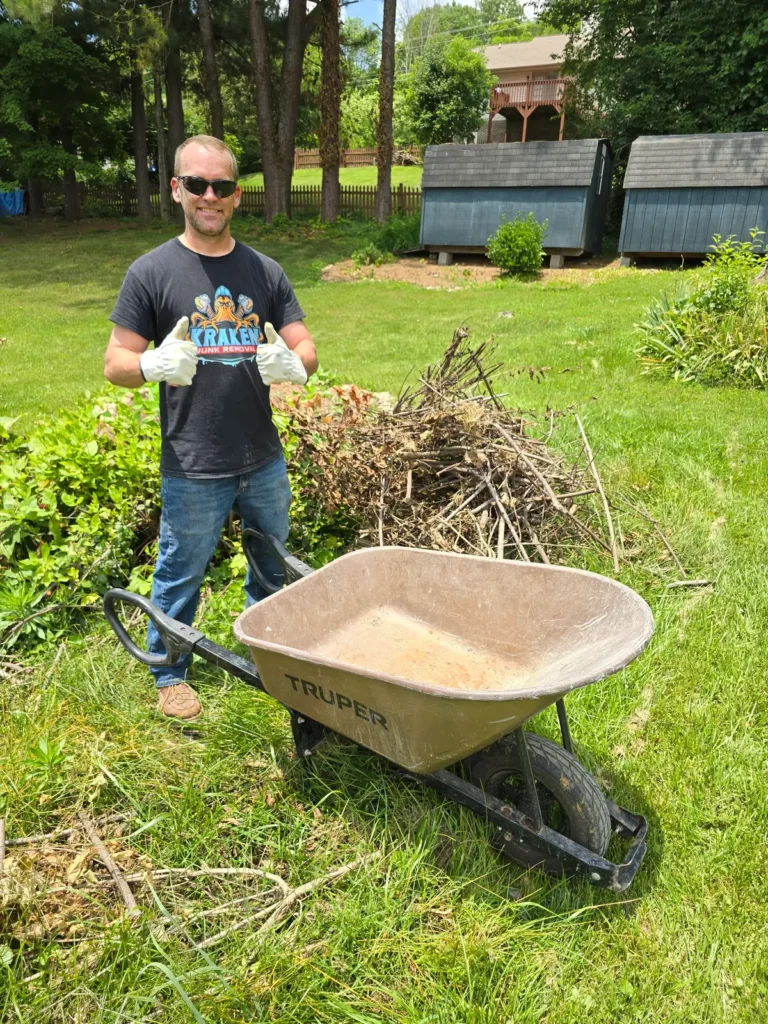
x=221, y=425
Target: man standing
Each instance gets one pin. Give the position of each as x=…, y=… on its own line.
x=225, y=325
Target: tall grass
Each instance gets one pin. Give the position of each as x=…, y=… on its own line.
x=717, y=331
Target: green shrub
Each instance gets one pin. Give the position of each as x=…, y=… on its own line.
x=371, y=255
x=715, y=332
x=79, y=499
x=516, y=246
x=400, y=231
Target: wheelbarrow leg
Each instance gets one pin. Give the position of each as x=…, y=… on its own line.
x=307, y=734
x=565, y=731
x=530, y=782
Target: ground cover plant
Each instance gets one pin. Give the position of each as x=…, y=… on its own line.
x=438, y=929
x=716, y=331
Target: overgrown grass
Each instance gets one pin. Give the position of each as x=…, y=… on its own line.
x=409, y=176
x=428, y=933
x=717, y=331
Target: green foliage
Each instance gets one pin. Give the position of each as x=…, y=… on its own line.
x=516, y=246
x=489, y=21
x=400, y=231
x=447, y=92
x=715, y=333
x=9, y=186
x=79, y=500
x=56, y=102
x=370, y=255
x=685, y=67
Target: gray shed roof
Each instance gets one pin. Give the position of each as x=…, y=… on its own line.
x=510, y=164
x=698, y=161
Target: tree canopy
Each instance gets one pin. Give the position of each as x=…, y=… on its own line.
x=447, y=92
x=665, y=66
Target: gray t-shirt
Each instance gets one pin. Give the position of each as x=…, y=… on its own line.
x=221, y=425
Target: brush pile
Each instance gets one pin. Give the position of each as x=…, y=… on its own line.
x=449, y=467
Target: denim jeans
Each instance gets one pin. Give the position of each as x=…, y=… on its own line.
x=193, y=515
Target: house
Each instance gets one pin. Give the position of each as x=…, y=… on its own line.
x=680, y=190
x=468, y=190
x=527, y=103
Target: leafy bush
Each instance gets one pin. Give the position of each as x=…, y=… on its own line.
x=400, y=231
x=371, y=255
x=516, y=246
x=9, y=186
x=714, y=333
x=79, y=499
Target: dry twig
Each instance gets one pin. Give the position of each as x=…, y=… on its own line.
x=276, y=912
x=109, y=864
x=593, y=470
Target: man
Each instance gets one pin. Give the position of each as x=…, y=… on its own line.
x=225, y=325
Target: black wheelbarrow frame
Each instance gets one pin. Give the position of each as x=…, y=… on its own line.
x=513, y=826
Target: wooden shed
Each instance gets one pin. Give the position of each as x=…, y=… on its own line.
x=683, y=189
x=466, y=190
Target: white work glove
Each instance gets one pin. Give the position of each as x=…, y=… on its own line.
x=276, y=363
x=174, y=361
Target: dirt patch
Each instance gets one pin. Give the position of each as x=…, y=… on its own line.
x=467, y=271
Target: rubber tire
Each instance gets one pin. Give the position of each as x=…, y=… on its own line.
x=587, y=820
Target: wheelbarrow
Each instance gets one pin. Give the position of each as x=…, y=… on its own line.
x=436, y=661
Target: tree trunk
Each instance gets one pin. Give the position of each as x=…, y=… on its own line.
x=139, y=117
x=35, y=197
x=384, y=128
x=274, y=194
x=211, y=76
x=163, y=175
x=330, y=112
x=71, y=194
x=290, y=93
x=175, y=108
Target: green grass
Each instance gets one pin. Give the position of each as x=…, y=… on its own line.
x=427, y=933
x=409, y=176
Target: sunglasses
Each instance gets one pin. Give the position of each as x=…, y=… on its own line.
x=222, y=188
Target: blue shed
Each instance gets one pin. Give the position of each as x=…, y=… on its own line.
x=466, y=190
x=683, y=189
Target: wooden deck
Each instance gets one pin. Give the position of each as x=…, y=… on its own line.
x=525, y=97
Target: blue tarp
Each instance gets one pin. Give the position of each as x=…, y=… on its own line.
x=12, y=204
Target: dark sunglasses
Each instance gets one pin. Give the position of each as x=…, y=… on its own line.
x=222, y=188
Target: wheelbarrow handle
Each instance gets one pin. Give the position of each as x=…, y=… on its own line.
x=177, y=637
x=293, y=567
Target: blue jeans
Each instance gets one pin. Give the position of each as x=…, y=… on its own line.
x=194, y=512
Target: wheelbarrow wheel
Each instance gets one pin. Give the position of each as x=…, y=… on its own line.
x=570, y=799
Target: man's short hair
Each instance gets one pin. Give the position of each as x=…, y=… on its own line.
x=208, y=142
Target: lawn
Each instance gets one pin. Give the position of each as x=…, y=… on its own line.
x=438, y=930
x=410, y=176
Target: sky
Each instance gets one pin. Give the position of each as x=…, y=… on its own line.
x=370, y=10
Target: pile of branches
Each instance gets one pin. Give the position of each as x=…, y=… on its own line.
x=449, y=467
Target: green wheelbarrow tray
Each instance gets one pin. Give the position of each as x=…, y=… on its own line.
x=434, y=659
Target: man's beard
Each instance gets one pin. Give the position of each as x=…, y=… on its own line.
x=203, y=227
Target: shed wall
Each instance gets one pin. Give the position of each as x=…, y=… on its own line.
x=683, y=220
x=469, y=216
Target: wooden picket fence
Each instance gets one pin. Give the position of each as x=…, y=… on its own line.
x=120, y=200
x=309, y=159
x=354, y=199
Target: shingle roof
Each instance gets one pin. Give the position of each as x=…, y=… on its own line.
x=510, y=164
x=536, y=53
x=698, y=161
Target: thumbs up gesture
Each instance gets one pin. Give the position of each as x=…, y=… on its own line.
x=276, y=362
x=174, y=360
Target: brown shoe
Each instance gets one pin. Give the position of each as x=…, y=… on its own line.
x=178, y=701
